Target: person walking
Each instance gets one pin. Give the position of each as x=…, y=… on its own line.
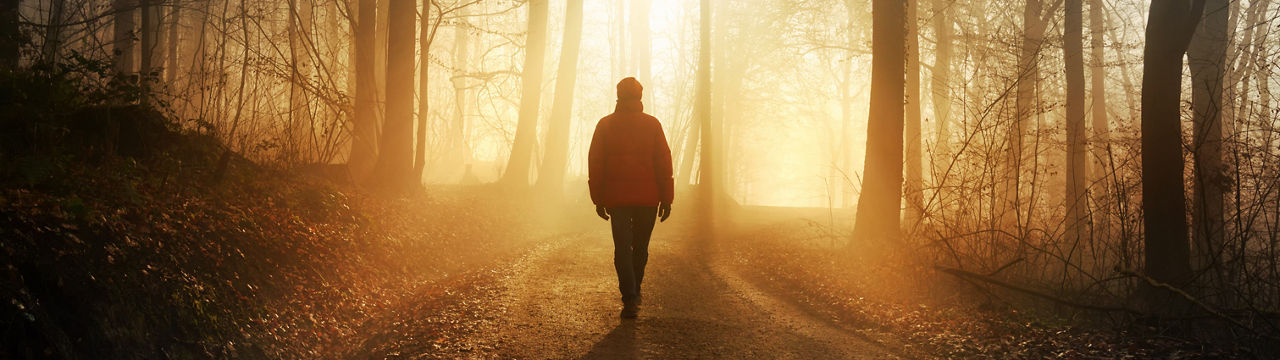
x=629, y=176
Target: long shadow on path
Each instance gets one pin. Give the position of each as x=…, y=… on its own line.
x=618, y=344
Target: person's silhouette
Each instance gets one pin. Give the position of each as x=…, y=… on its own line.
x=629, y=175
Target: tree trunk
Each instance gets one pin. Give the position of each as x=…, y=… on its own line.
x=517, y=173
x=425, y=37
x=1101, y=129
x=1025, y=108
x=618, y=41
x=911, y=127
x=640, y=42
x=1073, y=56
x=380, y=60
x=171, y=68
x=702, y=107
x=1169, y=28
x=9, y=34
x=1238, y=78
x=364, y=133
x=941, y=84
x=879, y=203
x=690, y=151
x=149, y=36
x=458, y=141
x=122, y=36
x=395, y=155
x=1206, y=56
x=846, y=110
x=299, y=127
x=53, y=31
x=551, y=173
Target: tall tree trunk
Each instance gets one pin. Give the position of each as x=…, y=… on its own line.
x=517, y=173
x=9, y=34
x=1206, y=56
x=694, y=128
x=1237, y=77
x=175, y=22
x=364, y=133
x=1101, y=128
x=690, y=152
x=640, y=42
x=1169, y=29
x=551, y=173
x=380, y=60
x=458, y=142
x=53, y=31
x=299, y=127
x=681, y=129
x=150, y=55
x=846, y=109
x=1025, y=107
x=619, y=40
x=1073, y=56
x=1126, y=78
x=911, y=127
x=879, y=203
x=702, y=107
x=941, y=84
x=395, y=155
x=197, y=72
x=425, y=37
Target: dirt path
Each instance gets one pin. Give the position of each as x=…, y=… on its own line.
x=561, y=301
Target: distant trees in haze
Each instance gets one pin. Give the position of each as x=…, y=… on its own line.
x=1030, y=133
x=552, y=171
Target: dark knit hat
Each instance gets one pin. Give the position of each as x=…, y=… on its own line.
x=630, y=89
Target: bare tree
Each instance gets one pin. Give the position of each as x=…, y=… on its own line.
x=53, y=31
x=517, y=172
x=1169, y=29
x=175, y=23
x=551, y=174
x=1034, y=18
x=299, y=128
x=1206, y=56
x=640, y=61
x=940, y=85
x=702, y=105
x=364, y=139
x=1101, y=140
x=914, y=158
x=881, y=196
x=149, y=36
x=9, y=33
x=395, y=156
x=458, y=139
x=1073, y=54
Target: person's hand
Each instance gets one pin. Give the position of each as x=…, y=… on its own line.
x=600, y=210
x=664, y=211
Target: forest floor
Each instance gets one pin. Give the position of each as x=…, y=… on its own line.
x=560, y=300
x=761, y=289
x=116, y=261
x=284, y=267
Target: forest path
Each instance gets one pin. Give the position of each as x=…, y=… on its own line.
x=561, y=301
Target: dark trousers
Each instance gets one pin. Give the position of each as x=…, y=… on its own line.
x=632, y=226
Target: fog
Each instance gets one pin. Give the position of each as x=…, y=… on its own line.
x=1098, y=151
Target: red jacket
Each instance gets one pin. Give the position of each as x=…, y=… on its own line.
x=629, y=163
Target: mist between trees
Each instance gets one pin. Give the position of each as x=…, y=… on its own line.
x=1104, y=152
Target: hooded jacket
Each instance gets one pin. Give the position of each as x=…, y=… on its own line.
x=629, y=163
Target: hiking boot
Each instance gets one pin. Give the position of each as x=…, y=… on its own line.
x=629, y=311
